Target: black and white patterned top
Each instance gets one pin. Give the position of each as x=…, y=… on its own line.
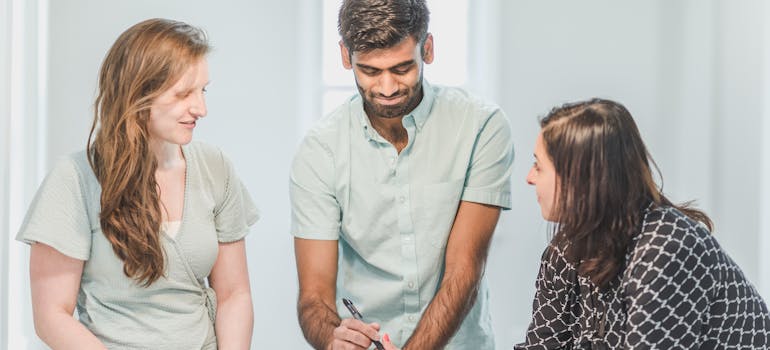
x=678, y=290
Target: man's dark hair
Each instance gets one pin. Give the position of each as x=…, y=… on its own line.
x=367, y=25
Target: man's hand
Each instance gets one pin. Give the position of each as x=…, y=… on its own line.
x=354, y=334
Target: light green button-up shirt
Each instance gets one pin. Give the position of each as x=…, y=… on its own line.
x=392, y=212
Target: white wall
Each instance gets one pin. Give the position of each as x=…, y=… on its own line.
x=737, y=149
x=764, y=192
x=23, y=155
x=692, y=72
x=5, y=155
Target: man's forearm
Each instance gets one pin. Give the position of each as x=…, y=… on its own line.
x=317, y=320
x=446, y=311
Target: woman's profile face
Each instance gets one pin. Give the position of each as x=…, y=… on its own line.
x=173, y=114
x=542, y=175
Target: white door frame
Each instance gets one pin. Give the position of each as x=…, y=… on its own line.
x=23, y=86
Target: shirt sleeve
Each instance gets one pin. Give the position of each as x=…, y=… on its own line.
x=237, y=212
x=57, y=215
x=552, y=318
x=315, y=212
x=489, y=174
x=666, y=288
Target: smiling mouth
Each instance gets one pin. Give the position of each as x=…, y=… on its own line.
x=390, y=100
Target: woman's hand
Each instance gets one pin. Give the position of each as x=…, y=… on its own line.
x=387, y=344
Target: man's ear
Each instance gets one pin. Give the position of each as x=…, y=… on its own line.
x=427, y=49
x=345, y=55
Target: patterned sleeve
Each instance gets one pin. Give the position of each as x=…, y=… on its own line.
x=552, y=318
x=667, y=286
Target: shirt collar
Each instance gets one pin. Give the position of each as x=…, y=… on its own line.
x=420, y=113
x=366, y=125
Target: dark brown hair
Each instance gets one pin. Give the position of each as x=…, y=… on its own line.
x=144, y=61
x=367, y=25
x=604, y=184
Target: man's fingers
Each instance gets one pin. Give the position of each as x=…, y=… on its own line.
x=354, y=334
x=343, y=345
x=370, y=330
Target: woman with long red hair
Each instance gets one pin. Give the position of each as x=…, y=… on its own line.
x=143, y=231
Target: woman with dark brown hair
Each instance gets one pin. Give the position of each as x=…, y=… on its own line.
x=144, y=230
x=626, y=267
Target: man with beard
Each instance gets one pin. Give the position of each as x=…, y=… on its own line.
x=395, y=196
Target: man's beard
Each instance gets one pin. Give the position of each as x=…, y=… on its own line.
x=374, y=109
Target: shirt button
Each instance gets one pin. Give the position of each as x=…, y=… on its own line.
x=411, y=318
x=401, y=199
x=410, y=284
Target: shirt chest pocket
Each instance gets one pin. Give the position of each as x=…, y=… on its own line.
x=434, y=210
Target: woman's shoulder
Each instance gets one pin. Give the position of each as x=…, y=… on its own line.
x=667, y=231
x=73, y=167
x=671, y=223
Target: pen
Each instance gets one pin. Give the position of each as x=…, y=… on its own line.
x=357, y=316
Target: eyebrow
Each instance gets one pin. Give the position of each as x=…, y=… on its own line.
x=399, y=65
x=190, y=87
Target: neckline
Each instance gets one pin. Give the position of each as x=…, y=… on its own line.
x=183, y=219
